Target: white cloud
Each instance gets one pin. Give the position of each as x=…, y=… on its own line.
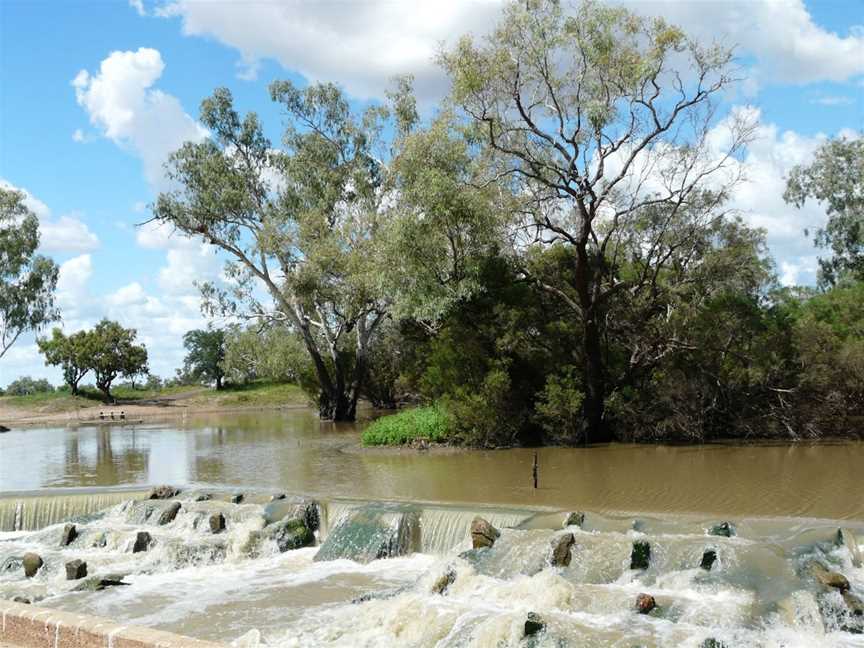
x=138, y=5
x=72, y=290
x=78, y=136
x=363, y=44
x=122, y=103
x=833, y=101
x=65, y=234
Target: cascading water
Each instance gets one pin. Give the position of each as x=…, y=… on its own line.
x=193, y=577
x=37, y=511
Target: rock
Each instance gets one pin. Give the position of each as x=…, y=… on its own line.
x=845, y=537
x=444, y=581
x=70, y=532
x=278, y=496
x=711, y=642
x=76, y=569
x=483, y=534
x=32, y=563
x=828, y=578
x=640, y=556
x=724, y=529
x=20, y=599
x=561, y=547
x=305, y=509
x=203, y=497
x=169, y=513
x=101, y=540
x=293, y=534
x=534, y=624
x=709, y=557
x=854, y=603
x=142, y=542
x=164, y=493
x=370, y=533
x=574, y=518
x=3, y=428
x=645, y=603
x=237, y=498
x=217, y=523
x=99, y=583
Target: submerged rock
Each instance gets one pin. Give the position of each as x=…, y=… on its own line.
x=169, y=514
x=70, y=532
x=534, y=624
x=142, y=542
x=712, y=643
x=444, y=581
x=723, y=529
x=32, y=563
x=100, y=541
x=3, y=428
x=372, y=533
x=293, y=534
x=645, y=603
x=854, y=603
x=709, y=557
x=237, y=498
x=846, y=538
x=76, y=569
x=217, y=523
x=305, y=509
x=99, y=583
x=483, y=534
x=278, y=496
x=640, y=556
x=164, y=493
x=826, y=577
x=203, y=497
x=20, y=599
x=561, y=550
x=574, y=518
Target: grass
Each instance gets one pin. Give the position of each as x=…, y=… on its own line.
x=428, y=423
x=260, y=394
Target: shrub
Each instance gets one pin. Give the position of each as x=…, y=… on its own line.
x=26, y=385
x=431, y=423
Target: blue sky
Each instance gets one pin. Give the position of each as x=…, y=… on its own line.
x=93, y=95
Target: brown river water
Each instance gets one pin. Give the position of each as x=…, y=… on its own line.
x=785, y=501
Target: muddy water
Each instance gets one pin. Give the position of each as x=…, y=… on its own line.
x=296, y=453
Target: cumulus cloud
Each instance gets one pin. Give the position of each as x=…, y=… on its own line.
x=123, y=104
x=68, y=233
x=363, y=44
x=833, y=101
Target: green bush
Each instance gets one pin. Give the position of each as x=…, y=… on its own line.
x=430, y=423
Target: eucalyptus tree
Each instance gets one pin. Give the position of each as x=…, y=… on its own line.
x=205, y=353
x=298, y=222
x=27, y=279
x=114, y=352
x=592, y=117
x=72, y=353
x=835, y=178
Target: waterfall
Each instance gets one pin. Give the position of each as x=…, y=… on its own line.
x=31, y=513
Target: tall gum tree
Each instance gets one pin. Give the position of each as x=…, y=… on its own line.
x=593, y=116
x=299, y=224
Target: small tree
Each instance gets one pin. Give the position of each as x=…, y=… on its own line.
x=27, y=280
x=72, y=354
x=206, y=352
x=26, y=385
x=114, y=354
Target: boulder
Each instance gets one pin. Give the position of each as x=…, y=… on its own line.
x=20, y=599
x=574, y=518
x=723, y=529
x=3, y=428
x=827, y=578
x=164, y=493
x=32, y=563
x=70, y=532
x=370, y=533
x=846, y=538
x=305, y=509
x=203, y=497
x=278, y=496
x=217, y=523
x=76, y=569
x=534, y=624
x=640, y=556
x=854, y=603
x=483, y=534
x=561, y=550
x=237, y=498
x=444, y=581
x=645, y=603
x=99, y=583
x=709, y=557
x=142, y=542
x=169, y=513
x=293, y=534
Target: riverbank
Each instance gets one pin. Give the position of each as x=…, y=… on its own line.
x=142, y=406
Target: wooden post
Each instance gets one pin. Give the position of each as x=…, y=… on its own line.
x=535, y=469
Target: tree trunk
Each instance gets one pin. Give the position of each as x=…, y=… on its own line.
x=596, y=430
x=218, y=382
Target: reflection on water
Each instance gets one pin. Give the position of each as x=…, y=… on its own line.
x=295, y=452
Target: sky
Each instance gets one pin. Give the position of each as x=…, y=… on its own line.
x=95, y=94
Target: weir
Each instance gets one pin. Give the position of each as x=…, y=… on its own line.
x=34, y=512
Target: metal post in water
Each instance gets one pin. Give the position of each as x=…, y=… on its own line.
x=535, y=469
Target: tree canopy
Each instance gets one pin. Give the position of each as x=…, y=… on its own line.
x=205, y=354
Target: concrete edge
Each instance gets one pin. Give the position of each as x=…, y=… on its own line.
x=29, y=626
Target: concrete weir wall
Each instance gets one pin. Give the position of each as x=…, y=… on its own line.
x=28, y=626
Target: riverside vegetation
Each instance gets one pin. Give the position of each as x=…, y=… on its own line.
x=551, y=258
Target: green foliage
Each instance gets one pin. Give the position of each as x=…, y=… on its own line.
x=26, y=386
x=73, y=354
x=430, y=424
x=273, y=354
x=27, y=280
x=205, y=355
x=115, y=353
x=835, y=179
x=559, y=406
